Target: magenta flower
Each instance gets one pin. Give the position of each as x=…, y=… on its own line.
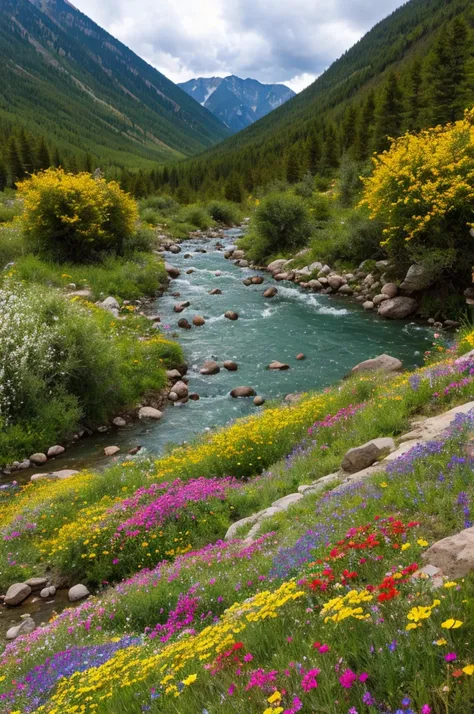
x=425, y=709
x=347, y=678
x=231, y=689
x=309, y=681
x=450, y=657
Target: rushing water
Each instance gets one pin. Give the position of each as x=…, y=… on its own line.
x=334, y=335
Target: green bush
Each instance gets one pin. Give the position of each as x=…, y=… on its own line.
x=76, y=218
x=305, y=188
x=224, y=212
x=151, y=216
x=161, y=204
x=196, y=216
x=280, y=223
x=348, y=239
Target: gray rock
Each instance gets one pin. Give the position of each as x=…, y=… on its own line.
x=361, y=457
x=382, y=363
x=173, y=374
x=210, y=367
x=172, y=271
x=257, y=280
x=242, y=392
x=149, y=413
x=270, y=292
x=16, y=593
x=48, y=592
x=231, y=366
x=174, y=249
x=38, y=459
x=55, y=450
x=198, y=321
x=315, y=285
x=378, y=299
x=389, y=289
x=181, y=390
x=345, y=290
x=110, y=304
x=284, y=503
x=238, y=254
x=231, y=315
x=119, y=421
x=276, y=365
x=453, y=555
x=397, y=308
x=215, y=291
x=276, y=265
x=78, y=592
x=259, y=401
x=368, y=305
x=36, y=583
x=26, y=626
x=335, y=282
x=184, y=324
x=325, y=270
x=419, y=277
x=111, y=450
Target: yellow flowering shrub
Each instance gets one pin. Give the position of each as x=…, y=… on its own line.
x=423, y=190
x=76, y=218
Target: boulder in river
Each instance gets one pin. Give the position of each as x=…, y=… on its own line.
x=194, y=397
x=231, y=315
x=180, y=306
x=368, y=305
x=184, y=324
x=270, y=292
x=119, y=421
x=78, y=592
x=26, y=626
x=278, y=365
x=382, y=363
x=134, y=450
x=300, y=356
x=398, y=308
x=173, y=375
x=215, y=291
x=257, y=280
x=259, y=401
x=238, y=255
x=149, y=413
x=111, y=450
x=335, y=282
x=210, y=367
x=36, y=583
x=16, y=593
x=378, y=299
x=55, y=450
x=242, y=392
x=38, y=459
x=198, y=321
x=390, y=290
x=173, y=248
x=172, y=271
x=247, y=282
x=180, y=389
x=276, y=265
x=230, y=366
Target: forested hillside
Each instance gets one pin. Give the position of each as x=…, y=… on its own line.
x=70, y=83
x=415, y=69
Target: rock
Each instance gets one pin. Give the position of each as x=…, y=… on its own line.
x=215, y=291
x=335, y=282
x=173, y=374
x=194, y=397
x=283, y=276
x=36, y=583
x=38, y=459
x=149, y=413
x=210, y=367
x=184, y=324
x=103, y=429
x=325, y=270
x=270, y=292
x=61, y=475
x=231, y=315
x=111, y=450
x=242, y=392
x=16, y=593
x=257, y=280
x=345, y=290
x=119, y=421
x=78, y=592
x=48, y=592
x=231, y=366
x=111, y=305
x=198, y=321
x=382, y=363
x=242, y=263
x=25, y=464
x=418, y=277
x=453, y=555
x=176, y=294
x=26, y=626
x=259, y=401
x=180, y=306
x=300, y=357
x=368, y=305
x=172, y=271
x=293, y=398
x=315, y=285
x=284, y=503
x=363, y=456
x=378, y=299
x=247, y=282
x=276, y=265
x=174, y=249
x=238, y=254
x=55, y=450
x=397, y=308
x=134, y=450
x=323, y=281
x=190, y=271
x=181, y=390
x=390, y=290
x=315, y=267
x=173, y=397
x=278, y=365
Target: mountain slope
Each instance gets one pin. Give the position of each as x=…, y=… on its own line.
x=237, y=102
x=67, y=78
x=302, y=128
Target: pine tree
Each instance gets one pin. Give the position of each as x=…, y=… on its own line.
x=415, y=96
x=390, y=114
x=365, y=129
x=56, y=158
x=447, y=74
x=88, y=163
x=233, y=189
x=3, y=175
x=42, y=160
x=292, y=166
x=331, y=148
x=314, y=152
x=349, y=127
x=72, y=164
x=14, y=161
x=26, y=153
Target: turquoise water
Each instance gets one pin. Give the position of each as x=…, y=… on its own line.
x=334, y=334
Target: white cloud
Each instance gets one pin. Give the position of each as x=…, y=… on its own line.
x=269, y=40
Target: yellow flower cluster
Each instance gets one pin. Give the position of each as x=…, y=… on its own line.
x=345, y=606
x=82, y=691
x=419, y=613
x=422, y=178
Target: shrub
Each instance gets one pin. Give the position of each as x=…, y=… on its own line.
x=422, y=190
x=151, y=216
x=196, y=216
x=161, y=204
x=76, y=218
x=305, y=188
x=223, y=212
x=281, y=223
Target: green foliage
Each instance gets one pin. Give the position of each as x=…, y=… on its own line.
x=224, y=212
x=11, y=244
x=76, y=218
x=194, y=215
x=281, y=222
x=306, y=187
x=349, y=237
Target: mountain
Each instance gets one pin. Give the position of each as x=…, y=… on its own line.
x=237, y=102
x=412, y=70
x=65, y=78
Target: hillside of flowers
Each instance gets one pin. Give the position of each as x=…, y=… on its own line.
x=325, y=611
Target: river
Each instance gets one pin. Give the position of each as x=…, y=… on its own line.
x=333, y=333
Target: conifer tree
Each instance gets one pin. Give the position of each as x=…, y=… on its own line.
x=331, y=148
x=292, y=167
x=72, y=164
x=365, y=129
x=56, y=158
x=447, y=74
x=233, y=189
x=26, y=153
x=14, y=161
x=415, y=96
x=88, y=163
x=3, y=175
x=314, y=152
x=390, y=113
x=42, y=160
x=349, y=127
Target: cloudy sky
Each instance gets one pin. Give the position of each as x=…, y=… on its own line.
x=287, y=41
